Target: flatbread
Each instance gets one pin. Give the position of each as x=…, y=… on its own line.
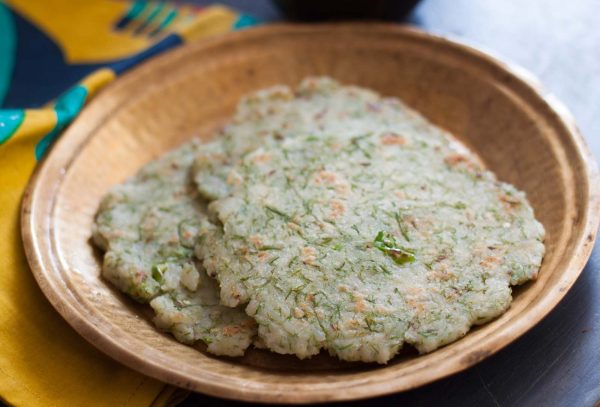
x=147, y=228
x=362, y=230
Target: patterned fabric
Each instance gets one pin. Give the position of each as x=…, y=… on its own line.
x=54, y=56
x=61, y=42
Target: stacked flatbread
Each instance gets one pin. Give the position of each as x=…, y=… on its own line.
x=324, y=217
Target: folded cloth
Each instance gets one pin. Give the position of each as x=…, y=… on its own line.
x=47, y=46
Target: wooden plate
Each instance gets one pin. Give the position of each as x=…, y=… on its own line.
x=521, y=133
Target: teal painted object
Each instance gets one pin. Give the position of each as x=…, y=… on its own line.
x=155, y=12
x=10, y=120
x=243, y=21
x=67, y=107
x=166, y=21
x=136, y=9
x=8, y=42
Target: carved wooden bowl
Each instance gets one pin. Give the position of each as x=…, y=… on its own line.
x=520, y=132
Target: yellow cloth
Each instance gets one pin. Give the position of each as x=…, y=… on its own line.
x=43, y=361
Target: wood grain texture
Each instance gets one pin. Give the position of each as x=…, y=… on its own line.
x=523, y=135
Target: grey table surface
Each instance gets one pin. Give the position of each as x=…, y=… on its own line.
x=557, y=363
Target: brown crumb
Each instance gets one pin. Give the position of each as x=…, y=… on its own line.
x=390, y=139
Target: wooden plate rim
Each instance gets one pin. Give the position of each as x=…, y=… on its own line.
x=36, y=232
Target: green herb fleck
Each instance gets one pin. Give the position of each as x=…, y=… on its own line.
x=386, y=242
x=385, y=270
x=157, y=271
x=338, y=246
x=427, y=333
x=402, y=226
x=265, y=248
x=356, y=144
x=278, y=212
x=343, y=347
